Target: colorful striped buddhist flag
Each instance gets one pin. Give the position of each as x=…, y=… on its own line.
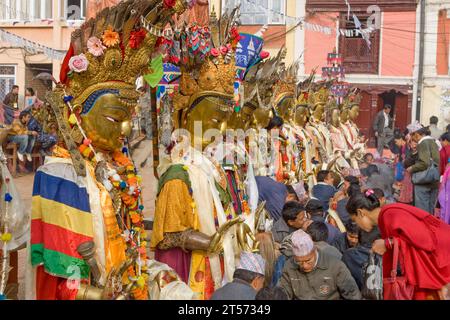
x=61, y=220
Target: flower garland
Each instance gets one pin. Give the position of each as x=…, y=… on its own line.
x=127, y=182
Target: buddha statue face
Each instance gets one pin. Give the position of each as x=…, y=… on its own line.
x=354, y=112
x=107, y=123
x=344, y=115
x=261, y=117
x=210, y=112
x=335, y=118
x=284, y=109
x=241, y=119
x=301, y=115
x=318, y=112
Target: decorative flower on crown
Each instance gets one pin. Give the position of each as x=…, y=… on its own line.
x=136, y=38
x=95, y=46
x=78, y=63
x=169, y=3
x=110, y=38
x=235, y=37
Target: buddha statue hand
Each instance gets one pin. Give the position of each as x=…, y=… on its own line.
x=243, y=232
x=355, y=152
x=216, y=243
x=113, y=289
x=190, y=240
x=332, y=163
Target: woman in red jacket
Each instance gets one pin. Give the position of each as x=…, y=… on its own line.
x=424, y=242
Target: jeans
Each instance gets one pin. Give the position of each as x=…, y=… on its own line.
x=22, y=141
x=425, y=197
x=31, y=142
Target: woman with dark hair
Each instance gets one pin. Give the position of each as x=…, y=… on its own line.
x=423, y=240
x=275, y=123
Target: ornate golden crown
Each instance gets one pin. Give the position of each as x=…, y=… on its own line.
x=352, y=99
x=107, y=54
x=302, y=99
x=216, y=74
x=113, y=49
x=287, y=84
x=213, y=76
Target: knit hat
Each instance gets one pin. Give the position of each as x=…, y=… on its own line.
x=302, y=244
x=252, y=262
x=413, y=127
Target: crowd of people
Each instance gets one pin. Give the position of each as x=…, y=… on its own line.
x=26, y=127
x=313, y=216
x=321, y=241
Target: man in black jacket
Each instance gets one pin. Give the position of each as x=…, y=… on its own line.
x=383, y=127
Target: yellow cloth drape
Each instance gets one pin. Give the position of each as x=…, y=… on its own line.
x=115, y=246
x=173, y=211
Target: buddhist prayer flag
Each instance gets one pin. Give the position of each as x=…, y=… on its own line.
x=60, y=221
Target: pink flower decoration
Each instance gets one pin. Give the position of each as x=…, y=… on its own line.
x=223, y=50
x=78, y=63
x=264, y=54
x=95, y=46
x=215, y=52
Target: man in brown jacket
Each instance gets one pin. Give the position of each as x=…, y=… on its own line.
x=313, y=275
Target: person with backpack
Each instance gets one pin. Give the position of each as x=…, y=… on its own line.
x=423, y=171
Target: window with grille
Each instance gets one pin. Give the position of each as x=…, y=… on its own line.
x=259, y=12
x=25, y=10
x=74, y=9
x=7, y=79
x=358, y=56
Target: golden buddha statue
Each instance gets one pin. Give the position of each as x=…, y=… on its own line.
x=197, y=222
x=340, y=147
x=303, y=138
x=87, y=195
x=317, y=101
x=349, y=115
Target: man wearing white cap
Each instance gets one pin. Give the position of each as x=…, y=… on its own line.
x=313, y=275
x=248, y=279
x=425, y=194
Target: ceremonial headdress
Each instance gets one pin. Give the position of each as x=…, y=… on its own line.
x=106, y=55
x=353, y=98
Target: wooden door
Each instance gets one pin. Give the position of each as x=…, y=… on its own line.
x=366, y=115
x=402, y=112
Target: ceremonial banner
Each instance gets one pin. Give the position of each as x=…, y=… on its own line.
x=247, y=53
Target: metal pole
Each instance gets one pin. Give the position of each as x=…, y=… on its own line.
x=421, y=59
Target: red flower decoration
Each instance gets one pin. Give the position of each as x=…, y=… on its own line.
x=169, y=3
x=264, y=54
x=136, y=38
x=223, y=50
